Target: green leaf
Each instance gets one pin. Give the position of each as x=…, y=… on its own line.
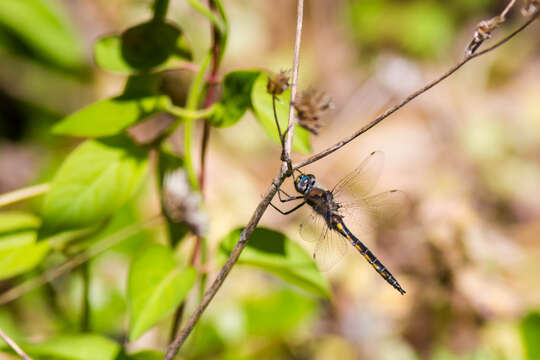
x=17, y=229
x=20, y=259
x=75, y=347
x=44, y=28
x=263, y=110
x=272, y=251
x=145, y=355
x=141, y=85
x=279, y=313
x=236, y=98
x=156, y=286
x=143, y=47
x=17, y=239
x=17, y=221
x=110, y=116
x=18, y=251
x=122, y=218
x=95, y=180
x=530, y=333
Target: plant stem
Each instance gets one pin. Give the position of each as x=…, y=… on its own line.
x=191, y=114
x=203, y=10
x=289, y=133
x=160, y=9
x=85, y=311
x=277, y=121
x=14, y=346
x=191, y=104
x=200, y=242
x=179, y=313
x=210, y=97
x=255, y=218
x=23, y=194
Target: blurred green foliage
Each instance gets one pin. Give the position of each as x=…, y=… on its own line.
x=420, y=28
x=530, y=332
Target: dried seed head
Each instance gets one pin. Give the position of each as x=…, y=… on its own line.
x=278, y=83
x=309, y=106
x=531, y=7
x=482, y=33
x=182, y=205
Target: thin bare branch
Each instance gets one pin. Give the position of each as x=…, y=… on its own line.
x=23, y=194
x=287, y=145
x=14, y=346
x=412, y=96
x=175, y=345
x=507, y=8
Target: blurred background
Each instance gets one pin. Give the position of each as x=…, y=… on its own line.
x=466, y=153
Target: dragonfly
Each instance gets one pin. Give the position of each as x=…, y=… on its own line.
x=330, y=210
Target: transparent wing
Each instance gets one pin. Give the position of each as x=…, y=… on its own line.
x=328, y=246
x=376, y=210
x=311, y=227
x=362, y=180
x=329, y=249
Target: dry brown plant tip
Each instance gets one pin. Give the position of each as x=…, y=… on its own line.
x=309, y=106
x=482, y=33
x=531, y=7
x=278, y=83
x=486, y=27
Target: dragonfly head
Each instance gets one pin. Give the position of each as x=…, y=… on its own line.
x=304, y=183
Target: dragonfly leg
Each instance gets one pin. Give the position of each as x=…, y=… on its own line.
x=289, y=197
x=288, y=211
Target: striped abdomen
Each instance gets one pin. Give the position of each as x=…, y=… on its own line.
x=340, y=227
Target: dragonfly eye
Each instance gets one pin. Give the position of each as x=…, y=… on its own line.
x=302, y=183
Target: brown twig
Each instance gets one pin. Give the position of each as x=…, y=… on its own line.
x=277, y=121
x=14, y=346
x=210, y=97
x=507, y=8
x=289, y=133
x=412, y=96
x=179, y=313
x=255, y=218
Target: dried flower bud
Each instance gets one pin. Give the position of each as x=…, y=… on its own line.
x=278, y=83
x=482, y=33
x=309, y=105
x=181, y=204
x=531, y=7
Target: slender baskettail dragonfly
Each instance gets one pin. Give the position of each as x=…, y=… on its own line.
x=332, y=212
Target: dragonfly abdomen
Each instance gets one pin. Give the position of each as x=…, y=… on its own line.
x=340, y=227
